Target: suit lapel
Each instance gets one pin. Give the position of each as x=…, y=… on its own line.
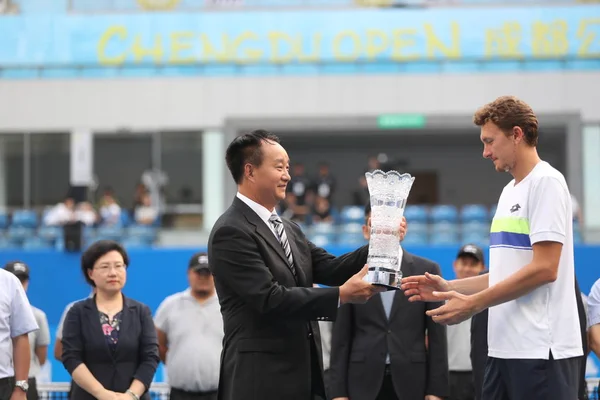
x=263, y=230
x=407, y=269
x=93, y=317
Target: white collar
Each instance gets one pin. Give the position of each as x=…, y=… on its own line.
x=260, y=210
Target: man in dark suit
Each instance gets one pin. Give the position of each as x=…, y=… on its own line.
x=264, y=269
x=379, y=350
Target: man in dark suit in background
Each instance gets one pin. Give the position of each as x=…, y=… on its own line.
x=264, y=269
x=378, y=349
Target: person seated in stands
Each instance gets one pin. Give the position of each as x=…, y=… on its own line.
x=290, y=209
x=322, y=210
x=85, y=213
x=62, y=213
x=145, y=213
x=110, y=211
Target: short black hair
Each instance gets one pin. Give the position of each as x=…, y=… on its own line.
x=246, y=149
x=97, y=250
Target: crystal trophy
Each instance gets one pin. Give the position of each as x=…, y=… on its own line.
x=388, y=192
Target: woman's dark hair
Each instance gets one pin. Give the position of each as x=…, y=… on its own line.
x=97, y=250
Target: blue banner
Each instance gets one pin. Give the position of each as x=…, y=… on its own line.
x=306, y=38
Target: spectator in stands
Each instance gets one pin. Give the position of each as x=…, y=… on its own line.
x=360, y=196
x=324, y=184
x=16, y=322
x=290, y=209
x=190, y=335
x=321, y=210
x=62, y=213
x=85, y=213
x=110, y=211
x=39, y=339
x=469, y=263
x=146, y=213
x=378, y=348
x=299, y=185
x=140, y=192
x=577, y=213
x=109, y=340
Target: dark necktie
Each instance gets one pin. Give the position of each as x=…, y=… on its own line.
x=278, y=225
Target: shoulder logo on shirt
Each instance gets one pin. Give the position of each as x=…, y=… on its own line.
x=515, y=208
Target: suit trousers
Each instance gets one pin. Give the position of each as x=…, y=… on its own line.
x=178, y=394
x=387, y=391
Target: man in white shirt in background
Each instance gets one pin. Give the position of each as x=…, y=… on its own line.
x=38, y=339
x=534, y=338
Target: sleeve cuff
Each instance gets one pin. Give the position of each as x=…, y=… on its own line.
x=547, y=236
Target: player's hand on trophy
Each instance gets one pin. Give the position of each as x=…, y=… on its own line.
x=403, y=228
x=421, y=287
x=356, y=290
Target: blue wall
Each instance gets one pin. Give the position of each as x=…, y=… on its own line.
x=301, y=42
x=56, y=278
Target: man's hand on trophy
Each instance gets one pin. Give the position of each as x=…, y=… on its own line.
x=421, y=287
x=357, y=290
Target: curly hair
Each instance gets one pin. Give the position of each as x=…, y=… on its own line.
x=506, y=112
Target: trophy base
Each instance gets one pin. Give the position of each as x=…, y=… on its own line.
x=384, y=278
x=388, y=287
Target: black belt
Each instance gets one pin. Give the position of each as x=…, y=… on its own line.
x=193, y=393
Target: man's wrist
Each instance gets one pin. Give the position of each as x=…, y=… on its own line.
x=133, y=395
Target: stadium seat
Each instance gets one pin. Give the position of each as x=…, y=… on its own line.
x=134, y=242
x=325, y=228
x=443, y=227
x=474, y=213
x=352, y=214
x=415, y=239
x=4, y=220
x=144, y=233
x=351, y=239
x=321, y=240
x=476, y=238
x=49, y=233
x=444, y=213
x=418, y=228
x=416, y=213
x=24, y=218
x=475, y=227
x=109, y=232
x=351, y=228
x=17, y=234
x=37, y=243
x=493, y=211
x=444, y=239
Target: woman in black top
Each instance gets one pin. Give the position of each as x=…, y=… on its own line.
x=109, y=342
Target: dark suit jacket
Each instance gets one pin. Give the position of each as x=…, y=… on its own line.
x=136, y=355
x=363, y=335
x=269, y=348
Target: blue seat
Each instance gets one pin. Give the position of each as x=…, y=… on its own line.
x=351, y=239
x=133, y=242
x=25, y=218
x=109, y=232
x=4, y=220
x=6, y=244
x=352, y=214
x=323, y=228
x=418, y=228
x=351, y=228
x=480, y=228
x=415, y=239
x=476, y=238
x=444, y=213
x=17, y=234
x=144, y=232
x=37, y=243
x=474, y=213
x=444, y=239
x=443, y=227
x=49, y=233
x=416, y=213
x=322, y=240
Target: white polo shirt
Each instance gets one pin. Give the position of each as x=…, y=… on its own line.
x=535, y=210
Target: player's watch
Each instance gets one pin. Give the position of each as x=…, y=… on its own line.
x=23, y=385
